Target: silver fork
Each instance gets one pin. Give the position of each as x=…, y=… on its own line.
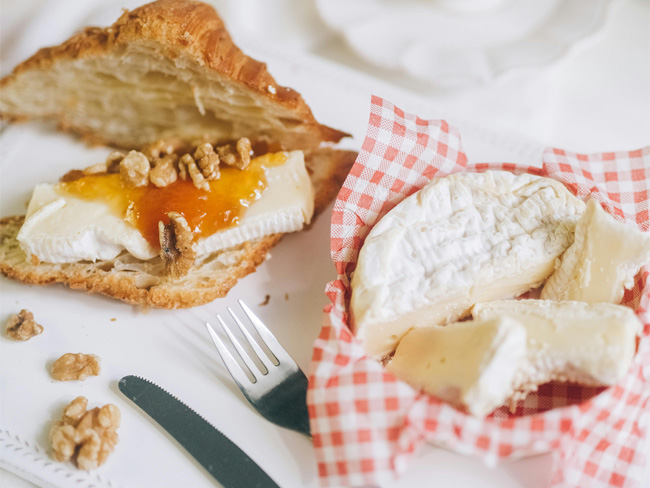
x=279, y=391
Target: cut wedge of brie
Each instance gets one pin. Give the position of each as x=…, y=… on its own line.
x=60, y=228
x=460, y=240
x=602, y=261
x=590, y=344
x=471, y=364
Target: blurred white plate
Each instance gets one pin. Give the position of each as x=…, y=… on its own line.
x=452, y=43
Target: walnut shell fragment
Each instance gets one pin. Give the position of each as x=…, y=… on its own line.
x=22, y=326
x=176, y=245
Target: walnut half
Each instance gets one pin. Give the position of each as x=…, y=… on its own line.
x=176, y=247
x=22, y=326
x=75, y=367
x=86, y=437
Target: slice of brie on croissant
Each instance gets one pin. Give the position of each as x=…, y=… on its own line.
x=97, y=218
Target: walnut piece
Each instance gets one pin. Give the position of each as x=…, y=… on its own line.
x=187, y=168
x=134, y=169
x=22, y=326
x=75, y=367
x=176, y=247
x=207, y=161
x=159, y=163
x=86, y=437
x=237, y=155
x=113, y=161
x=164, y=147
x=164, y=171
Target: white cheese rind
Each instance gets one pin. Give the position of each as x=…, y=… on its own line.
x=61, y=229
x=462, y=239
x=287, y=205
x=471, y=364
x=585, y=343
x=602, y=261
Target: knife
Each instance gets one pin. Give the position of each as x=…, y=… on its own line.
x=226, y=462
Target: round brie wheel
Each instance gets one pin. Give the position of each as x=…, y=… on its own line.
x=460, y=240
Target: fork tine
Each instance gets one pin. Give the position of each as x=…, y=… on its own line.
x=231, y=364
x=258, y=350
x=242, y=353
x=272, y=343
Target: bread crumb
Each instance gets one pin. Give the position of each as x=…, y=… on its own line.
x=286, y=296
x=267, y=299
x=113, y=319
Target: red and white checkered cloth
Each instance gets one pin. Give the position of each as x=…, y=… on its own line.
x=366, y=423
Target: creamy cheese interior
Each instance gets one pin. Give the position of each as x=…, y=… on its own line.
x=472, y=364
x=602, y=261
x=588, y=343
x=60, y=228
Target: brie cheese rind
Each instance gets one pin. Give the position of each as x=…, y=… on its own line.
x=460, y=240
x=471, y=364
x=602, y=262
x=60, y=228
x=590, y=344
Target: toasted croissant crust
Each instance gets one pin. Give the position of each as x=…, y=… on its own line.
x=166, y=69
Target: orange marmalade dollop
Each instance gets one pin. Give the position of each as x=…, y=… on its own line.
x=206, y=212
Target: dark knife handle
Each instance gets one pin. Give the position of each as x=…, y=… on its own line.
x=226, y=462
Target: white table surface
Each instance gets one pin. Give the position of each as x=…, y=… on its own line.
x=597, y=99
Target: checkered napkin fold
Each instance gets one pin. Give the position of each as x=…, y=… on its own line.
x=366, y=423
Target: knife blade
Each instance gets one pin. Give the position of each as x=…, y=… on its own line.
x=226, y=462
